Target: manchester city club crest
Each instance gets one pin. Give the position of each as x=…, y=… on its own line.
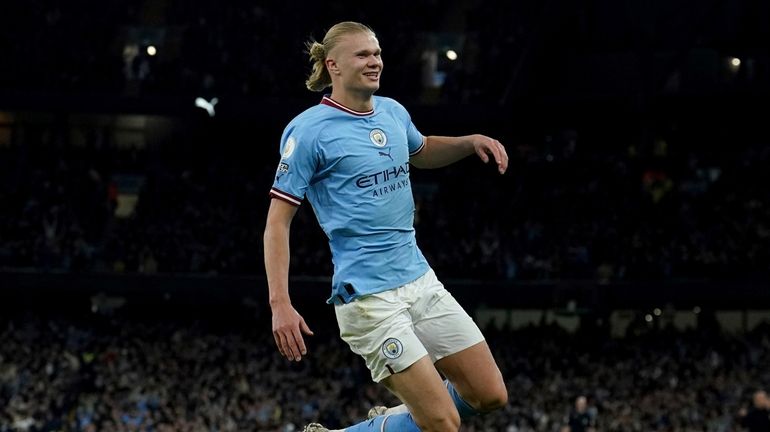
x=378, y=137
x=392, y=348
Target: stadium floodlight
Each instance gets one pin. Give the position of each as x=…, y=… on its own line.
x=206, y=105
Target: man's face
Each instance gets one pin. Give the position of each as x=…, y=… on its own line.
x=581, y=404
x=355, y=62
x=761, y=401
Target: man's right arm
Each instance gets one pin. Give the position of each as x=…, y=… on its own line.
x=288, y=325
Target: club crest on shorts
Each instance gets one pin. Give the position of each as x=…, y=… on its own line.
x=378, y=137
x=392, y=348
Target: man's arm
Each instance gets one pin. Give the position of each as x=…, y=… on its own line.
x=288, y=325
x=440, y=151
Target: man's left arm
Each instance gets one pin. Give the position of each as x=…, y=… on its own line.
x=440, y=151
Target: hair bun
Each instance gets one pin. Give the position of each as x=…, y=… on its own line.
x=317, y=51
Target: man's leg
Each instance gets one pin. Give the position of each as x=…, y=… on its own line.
x=459, y=350
x=474, y=378
x=423, y=392
x=463, y=408
x=451, y=337
x=474, y=382
x=380, y=328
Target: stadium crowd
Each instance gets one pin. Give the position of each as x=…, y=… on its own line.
x=121, y=374
x=562, y=212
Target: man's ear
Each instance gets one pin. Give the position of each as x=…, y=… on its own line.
x=332, y=67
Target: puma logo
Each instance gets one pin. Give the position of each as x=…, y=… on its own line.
x=382, y=153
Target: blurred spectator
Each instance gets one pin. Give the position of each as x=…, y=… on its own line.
x=580, y=418
x=757, y=418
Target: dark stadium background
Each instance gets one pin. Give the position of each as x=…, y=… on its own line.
x=624, y=257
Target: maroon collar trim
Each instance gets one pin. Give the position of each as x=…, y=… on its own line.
x=326, y=100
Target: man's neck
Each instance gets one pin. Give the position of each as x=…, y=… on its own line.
x=354, y=101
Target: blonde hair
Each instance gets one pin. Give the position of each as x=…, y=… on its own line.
x=320, y=79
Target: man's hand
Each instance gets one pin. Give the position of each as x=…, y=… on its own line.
x=485, y=146
x=288, y=327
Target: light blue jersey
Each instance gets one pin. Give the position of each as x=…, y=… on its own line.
x=353, y=167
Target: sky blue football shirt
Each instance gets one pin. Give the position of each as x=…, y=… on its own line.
x=353, y=167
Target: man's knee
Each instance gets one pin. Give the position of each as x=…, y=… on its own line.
x=493, y=399
x=445, y=422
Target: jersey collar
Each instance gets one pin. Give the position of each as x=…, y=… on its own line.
x=326, y=100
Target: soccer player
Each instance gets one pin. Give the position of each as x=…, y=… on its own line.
x=350, y=157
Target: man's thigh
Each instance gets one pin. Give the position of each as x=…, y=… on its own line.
x=441, y=323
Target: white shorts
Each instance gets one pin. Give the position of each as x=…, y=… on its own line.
x=393, y=329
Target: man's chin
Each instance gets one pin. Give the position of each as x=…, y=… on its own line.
x=370, y=88
x=366, y=89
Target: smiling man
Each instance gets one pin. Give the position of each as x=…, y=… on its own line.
x=350, y=157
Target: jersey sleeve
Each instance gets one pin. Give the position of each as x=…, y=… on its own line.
x=299, y=160
x=414, y=138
